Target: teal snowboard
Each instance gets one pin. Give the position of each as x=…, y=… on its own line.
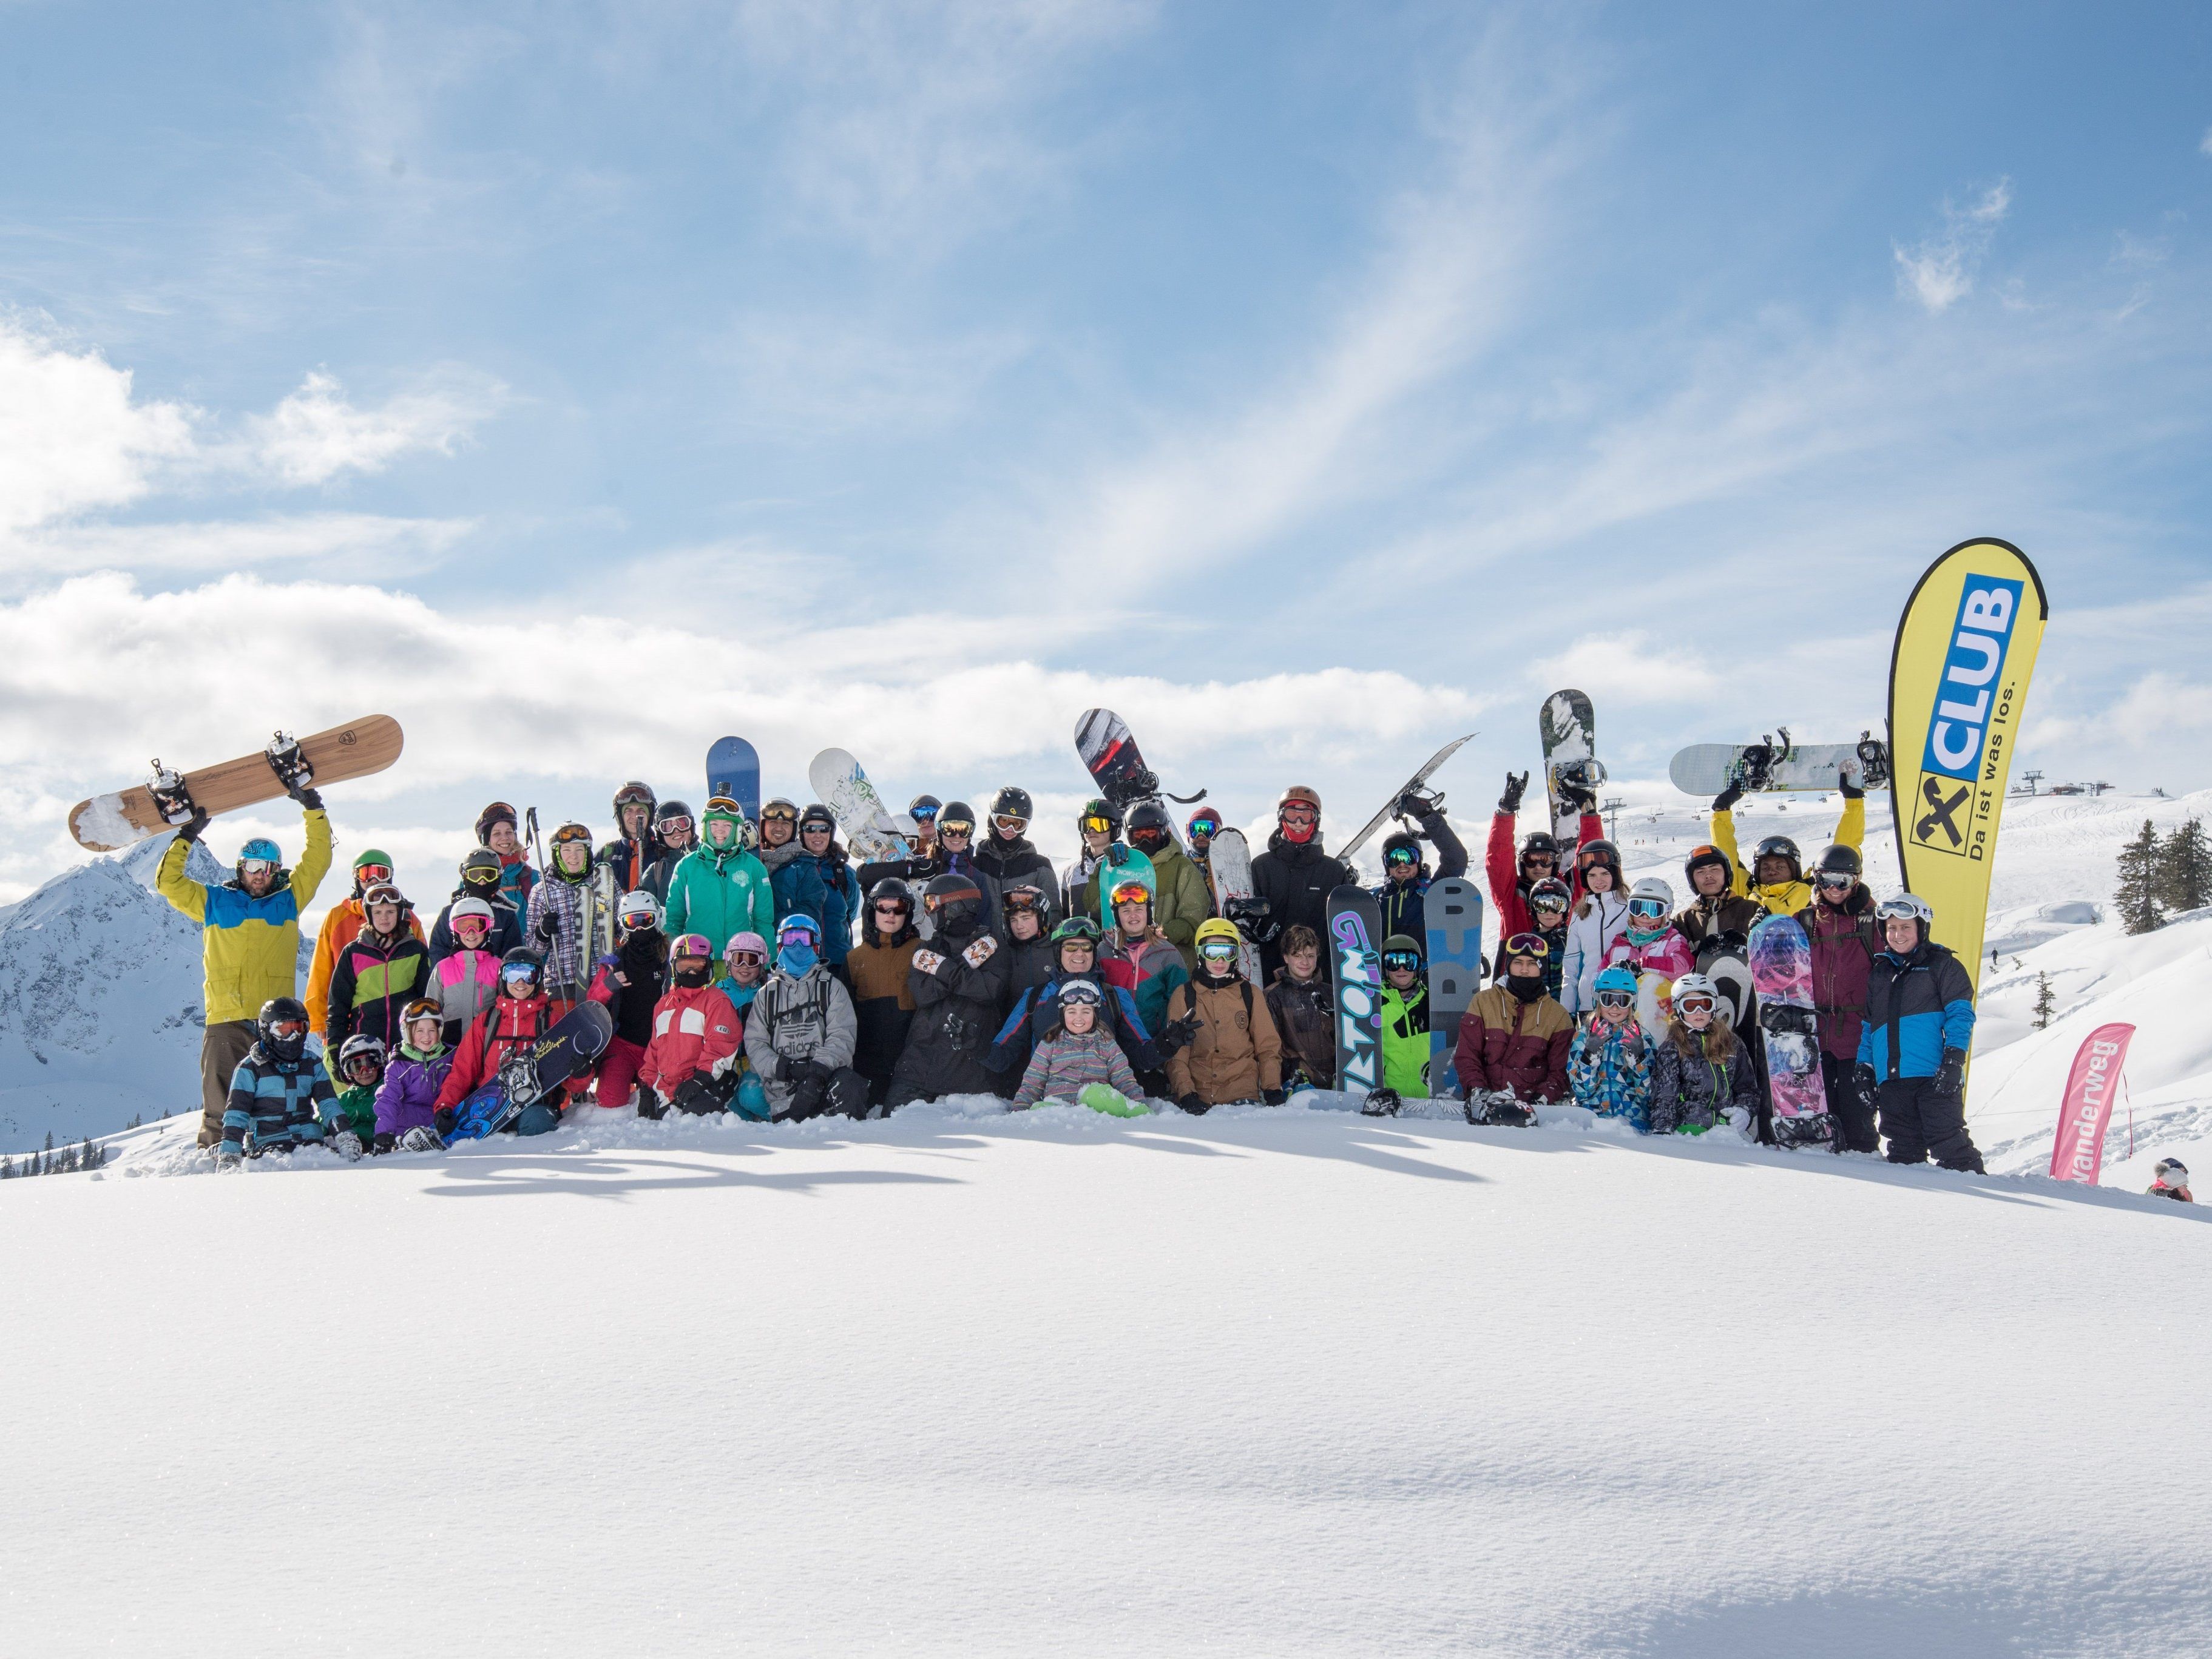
x=1110, y=875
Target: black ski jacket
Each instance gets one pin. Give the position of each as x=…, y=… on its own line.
x=957, y=1010
x=1296, y=881
x=1017, y=864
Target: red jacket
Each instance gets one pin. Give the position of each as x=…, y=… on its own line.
x=509, y=1024
x=1503, y=863
x=1507, y=1043
x=1845, y=943
x=693, y=1026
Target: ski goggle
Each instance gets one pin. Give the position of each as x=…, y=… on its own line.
x=421, y=1008
x=1647, y=909
x=1399, y=855
x=637, y=796
x=1298, y=812
x=368, y=875
x=1095, y=825
x=1081, y=993
x=1616, y=999
x=922, y=814
x=1206, y=827
x=1132, y=892
x=288, y=1028
x=678, y=825
x=1547, y=860
x=477, y=922
x=1695, y=1001
x=1836, y=880
x=1556, y=906
x=1218, y=950
x=1902, y=909
x=352, y=1067
x=893, y=908
x=1009, y=824
x=776, y=812
x=255, y=867
x=1405, y=960
x=1527, y=944
x=954, y=827
x=1022, y=901
x=518, y=973
x=797, y=933
x=735, y=958
x=571, y=832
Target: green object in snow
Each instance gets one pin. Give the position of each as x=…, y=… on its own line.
x=1101, y=1099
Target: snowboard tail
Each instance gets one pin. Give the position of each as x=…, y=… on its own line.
x=106, y=824
x=1411, y=785
x=734, y=773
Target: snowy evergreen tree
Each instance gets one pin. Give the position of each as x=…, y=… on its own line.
x=2137, y=895
x=2186, y=868
x=2045, y=1004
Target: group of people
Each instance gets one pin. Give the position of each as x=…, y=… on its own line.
x=748, y=964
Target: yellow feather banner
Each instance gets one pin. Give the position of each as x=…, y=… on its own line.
x=1958, y=684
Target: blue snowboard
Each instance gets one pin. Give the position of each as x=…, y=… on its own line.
x=733, y=770
x=565, y=1051
x=1453, y=908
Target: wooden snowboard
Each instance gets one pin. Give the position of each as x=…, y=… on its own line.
x=106, y=824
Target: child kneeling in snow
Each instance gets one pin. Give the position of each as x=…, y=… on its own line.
x=350, y=1118
x=689, y=1062
x=1609, y=1064
x=407, y=1100
x=1078, y=1060
x=1701, y=1074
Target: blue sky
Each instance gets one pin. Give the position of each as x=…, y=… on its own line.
x=1313, y=382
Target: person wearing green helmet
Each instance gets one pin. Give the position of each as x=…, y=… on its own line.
x=719, y=889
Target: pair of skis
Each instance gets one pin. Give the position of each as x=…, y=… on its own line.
x=839, y=783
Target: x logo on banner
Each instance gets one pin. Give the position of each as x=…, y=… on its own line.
x=1931, y=791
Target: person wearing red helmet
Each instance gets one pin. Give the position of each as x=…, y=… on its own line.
x=1294, y=877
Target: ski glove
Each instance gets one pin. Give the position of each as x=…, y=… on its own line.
x=191, y=828
x=1517, y=785
x=1194, y=1103
x=386, y=1142
x=1419, y=807
x=1951, y=1075
x=1847, y=781
x=310, y=800
x=549, y=927
x=1178, y=1035
x=1728, y=797
x=1863, y=1080
x=1274, y=1096
x=1117, y=854
x=443, y=1121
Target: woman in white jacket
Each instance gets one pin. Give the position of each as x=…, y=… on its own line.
x=1599, y=920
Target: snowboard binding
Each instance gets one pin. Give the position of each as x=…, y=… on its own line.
x=1579, y=780
x=1760, y=758
x=1431, y=800
x=1381, y=1103
x=1874, y=762
x=171, y=799
x=289, y=765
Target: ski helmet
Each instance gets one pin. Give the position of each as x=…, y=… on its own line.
x=1599, y=852
x=1617, y=979
x=1697, y=984
x=744, y=944
x=798, y=924
x=1650, y=900
x=817, y=817
x=260, y=850
x=1780, y=847
x=639, y=909
x=1011, y=802
x=1705, y=857
x=1025, y=900
x=361, y=1046
x=722, y=810
x=690, y=947
x=1149, y=828
x=671, y=813
x=470, y=909
x=480, y=868
x=634, y=793
x=290, y=1014
x=778, y=810
x=1099, y=816
x=1551, y=891
x=1130, y=890
x=955, y=904
x=521, y=966
x=570, y=833
x=420, y=1008
x=1218, y=942
x=1298, y=794
x=1841, y=860
x=1402, y=951
x=370, y=866
x=1542, y=842
x=892, y=890
x=1906, y=907
x=498, y=812
x=1401, y=849
x=1306, y=827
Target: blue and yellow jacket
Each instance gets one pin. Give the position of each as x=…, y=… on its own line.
x=1917, y=1007
x=250, y=948
x=275, y=1103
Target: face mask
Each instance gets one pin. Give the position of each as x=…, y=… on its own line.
x=692, y=974
x=796, y=959
x=1527, y=989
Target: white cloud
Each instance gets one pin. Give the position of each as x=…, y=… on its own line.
x=315, y=433
x=1627, y=670
x=299, y=542
x=1940, y=271
x=72, y=436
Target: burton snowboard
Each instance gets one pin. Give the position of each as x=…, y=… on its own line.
x=844, y=787
x=563, y=1053
x=1706, y=768
x=1354, y=943
x=1782, y=972
x=1112, y=875
x=108, y=822
x=1453, y=910
x=733, y=772
x=1230, y=859
x=1569, y=731
x=1410, y=787
x=1109, y=754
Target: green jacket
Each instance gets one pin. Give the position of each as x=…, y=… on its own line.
x=1184, y=901
x=353, y=1110
x=720, y=894
x=1406, y=1040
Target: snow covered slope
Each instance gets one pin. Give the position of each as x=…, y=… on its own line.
x=1263, y=1383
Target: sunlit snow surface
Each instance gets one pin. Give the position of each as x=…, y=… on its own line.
x=1263, y=1383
